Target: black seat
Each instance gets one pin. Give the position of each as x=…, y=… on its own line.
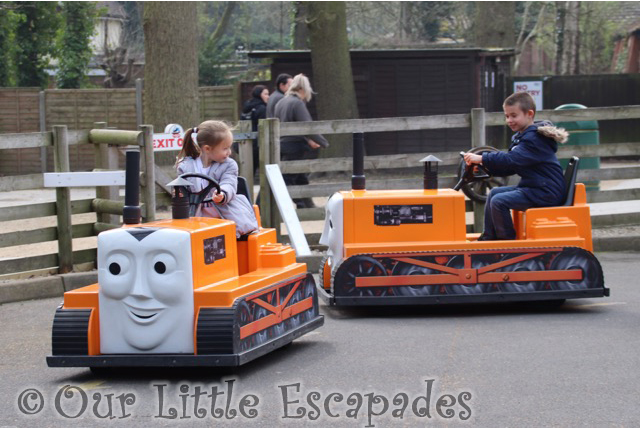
x=570, y=175
x=243, y=189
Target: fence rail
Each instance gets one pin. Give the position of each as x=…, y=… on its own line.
x=407, y=165
x=405, y=172
x=104, y=144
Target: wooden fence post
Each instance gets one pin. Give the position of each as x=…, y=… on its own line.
x=63, y=200
x=148, y=166
x=139, y=102
x=43, y=128
x=269, y=136
x=106, y=157
x=245, y=155
x=478, y=138
x=265, y=159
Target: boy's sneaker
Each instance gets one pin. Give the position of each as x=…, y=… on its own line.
x=484, y=237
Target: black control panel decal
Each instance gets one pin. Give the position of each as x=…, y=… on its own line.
x=395, y=215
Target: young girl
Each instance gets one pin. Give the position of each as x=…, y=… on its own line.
x=206, y=150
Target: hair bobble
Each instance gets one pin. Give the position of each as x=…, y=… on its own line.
x=194, y=135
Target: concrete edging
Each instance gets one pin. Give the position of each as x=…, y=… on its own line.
x=44, y=287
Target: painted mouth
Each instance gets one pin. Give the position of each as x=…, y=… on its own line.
x=144, y=317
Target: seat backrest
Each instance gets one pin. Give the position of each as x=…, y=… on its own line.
x=570, y=175
x=243, y=189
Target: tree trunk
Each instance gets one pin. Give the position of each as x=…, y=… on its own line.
x=300, y=33
x=171, y=66
x=495, y=24
x=570, y=55
x=332, y=75
x=560, y=28
x=567, y=49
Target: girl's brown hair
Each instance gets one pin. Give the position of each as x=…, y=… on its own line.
x=208, y=133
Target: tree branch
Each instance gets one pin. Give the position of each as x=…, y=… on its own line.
x=222, y=25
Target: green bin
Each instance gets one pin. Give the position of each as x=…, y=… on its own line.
x=582, y=133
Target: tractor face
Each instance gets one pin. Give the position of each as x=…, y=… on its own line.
x=333, y=233
x=146, y=291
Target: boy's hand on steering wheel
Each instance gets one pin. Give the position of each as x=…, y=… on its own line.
x=471, y=158
x=313, y=144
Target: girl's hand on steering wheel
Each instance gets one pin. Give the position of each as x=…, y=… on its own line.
x=218, y=197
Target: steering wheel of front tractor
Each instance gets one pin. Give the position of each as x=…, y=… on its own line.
x=196, y=198
x=475, y=180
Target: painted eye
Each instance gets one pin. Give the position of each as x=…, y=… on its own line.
x=164, y=279
x=117, y=275
x=160, y=267
x=330, y=224
x=115, y=268
x=118, y=264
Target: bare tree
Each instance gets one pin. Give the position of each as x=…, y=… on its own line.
x=525, y=37
x=223, y=24
x=331, y=62
x=570, y=51
x=113, y=61
x=300, y=30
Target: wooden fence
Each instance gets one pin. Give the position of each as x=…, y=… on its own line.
x=24, y=110
x=477, y=121
x=104, y=143
x=405, y=173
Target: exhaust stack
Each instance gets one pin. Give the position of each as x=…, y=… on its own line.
x=430, y=180
x=357, y=179
x=131, y=210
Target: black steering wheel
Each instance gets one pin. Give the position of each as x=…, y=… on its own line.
x=475, y=180
x=197, y=198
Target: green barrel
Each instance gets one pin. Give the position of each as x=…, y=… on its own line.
x=582, y=133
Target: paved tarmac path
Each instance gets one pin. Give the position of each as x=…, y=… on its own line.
x=504, y=365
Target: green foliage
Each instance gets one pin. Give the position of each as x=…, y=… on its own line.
x=75, y=50
x=8, y=22
x=212, y=64
x=35, y=41
x=252, y=26
x=427, y=18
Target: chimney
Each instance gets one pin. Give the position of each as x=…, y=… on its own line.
x=179, y=199
x=430, y=172
x=357, y=179
x=131, y=210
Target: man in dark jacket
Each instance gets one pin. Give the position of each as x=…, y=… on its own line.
x=282, y=84
x=532, y=155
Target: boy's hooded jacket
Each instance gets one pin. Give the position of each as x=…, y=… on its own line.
x=532, y=155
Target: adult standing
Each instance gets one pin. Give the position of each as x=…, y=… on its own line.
x=255, y=109
x=282, y=85
x=292, y=108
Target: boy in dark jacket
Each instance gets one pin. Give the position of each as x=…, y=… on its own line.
x=532, y=155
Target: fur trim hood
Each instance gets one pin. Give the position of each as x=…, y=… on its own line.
x=549, y=130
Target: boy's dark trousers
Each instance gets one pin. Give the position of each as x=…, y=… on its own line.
x=498, y=223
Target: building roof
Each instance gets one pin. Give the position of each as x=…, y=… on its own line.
x=627, y=16
x=390, y=53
